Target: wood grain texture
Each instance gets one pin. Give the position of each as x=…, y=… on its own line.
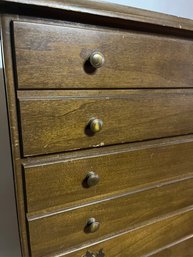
x=14, y=133
x=182, y=249
x=115, y=214
x=49, y=56
x=104, y=10
x=56, y=121
x=145, y=239
x=120, y=168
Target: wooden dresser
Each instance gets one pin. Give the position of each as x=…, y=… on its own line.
x=100, y=106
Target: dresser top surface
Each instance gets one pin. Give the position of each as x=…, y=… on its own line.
x=106, y=9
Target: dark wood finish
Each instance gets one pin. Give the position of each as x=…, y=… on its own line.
x=122, y=168
x=13, y=123
x=120, y=213
x=182, y=249
x=49, y=56
x=143, y=217
x=117, y=13
x=140, y=241
x=56, y=121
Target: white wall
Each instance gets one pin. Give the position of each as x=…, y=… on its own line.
x=183, y=8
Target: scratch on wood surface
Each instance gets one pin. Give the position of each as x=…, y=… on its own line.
x=101, y=144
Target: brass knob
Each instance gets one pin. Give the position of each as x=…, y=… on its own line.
x=92, y=179
x=92, y=225
x=97, y=59
x=95, y=125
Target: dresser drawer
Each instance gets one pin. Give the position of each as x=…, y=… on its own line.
x=148, y=239
x=56, y=121
x=56, y=56
x=67, y=228
x=72, y=178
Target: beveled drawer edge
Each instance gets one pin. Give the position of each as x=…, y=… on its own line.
x=36, y=161
x=42, y=215
x=186, y=238
x=121, y=233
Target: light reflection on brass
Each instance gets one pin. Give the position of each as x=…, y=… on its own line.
x=97, y=59
x=96, y=125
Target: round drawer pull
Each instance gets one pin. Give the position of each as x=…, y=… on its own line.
x=92, y=225
x=95, y=125
x=97, y=59
x=92, y=179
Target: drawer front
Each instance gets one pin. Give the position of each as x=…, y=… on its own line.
x=60, y=121
x=127, y=167
x=56, y=56
x=48, y=233
x=183, y=248
x=147, y=239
